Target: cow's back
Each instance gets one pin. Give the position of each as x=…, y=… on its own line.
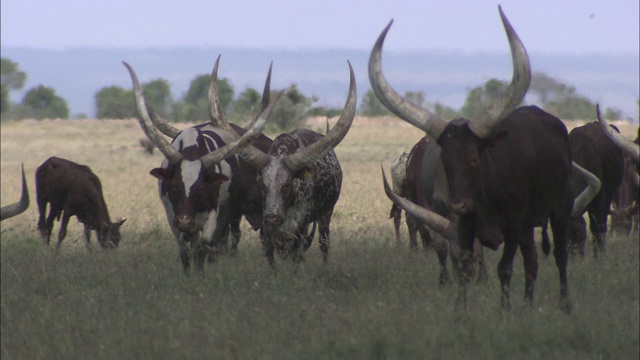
x=528, y=170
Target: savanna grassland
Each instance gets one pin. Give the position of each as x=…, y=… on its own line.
x=372, y=300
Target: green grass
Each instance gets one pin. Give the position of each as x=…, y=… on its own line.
x=372, y=300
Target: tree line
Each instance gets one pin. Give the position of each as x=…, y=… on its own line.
x=115, y=102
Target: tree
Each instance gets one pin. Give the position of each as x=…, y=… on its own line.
x=291, y=109
x=11, y=79
x=371, y=106
x=114, y=102
x=158, y=95
x=246, y=106
x=195, y=103
x=480, y=97
x=42, y=102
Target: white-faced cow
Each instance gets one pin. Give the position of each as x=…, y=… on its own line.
x=398, y=182
x=14, y=209
x=204, y=187
x=507, y=172
x=70, y=190
x=300, y=180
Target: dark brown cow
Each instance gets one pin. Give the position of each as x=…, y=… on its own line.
x=592, y=149
x=73, y=190
x=14, y=209
x=507, y=172
x=625, y=213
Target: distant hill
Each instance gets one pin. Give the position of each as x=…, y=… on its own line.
x=78, y=73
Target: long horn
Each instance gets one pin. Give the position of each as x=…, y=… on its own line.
x=215, y=106
x=22, y=205
x=251, y=154
x=145, y=122
x=516, y=91
x=407, y=111
x=625, y=144
x=593, y=187
x=434, y=221
x=254, y=130
x=306, y=156
x=162, y=124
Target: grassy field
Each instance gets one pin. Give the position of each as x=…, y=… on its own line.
x=372, y=300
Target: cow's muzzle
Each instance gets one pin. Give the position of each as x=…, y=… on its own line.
x=184, y=223
x=273, y=220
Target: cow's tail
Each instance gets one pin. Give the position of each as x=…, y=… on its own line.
x=546, y=244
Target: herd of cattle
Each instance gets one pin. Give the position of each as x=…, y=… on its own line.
x=464, y=186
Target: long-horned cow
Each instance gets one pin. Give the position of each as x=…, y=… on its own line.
x=19, y=207
x=507, y=172
x=625, y=212
x=204, y=187
x=592, y=149
x=72, y=189
x=300, y=180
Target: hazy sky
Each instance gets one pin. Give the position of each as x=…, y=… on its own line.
x=547, y=26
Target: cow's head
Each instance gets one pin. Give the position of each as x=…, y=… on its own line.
x=462, y=141
x=109, y=234
x=193, y=171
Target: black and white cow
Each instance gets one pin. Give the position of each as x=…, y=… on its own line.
x=203, y=185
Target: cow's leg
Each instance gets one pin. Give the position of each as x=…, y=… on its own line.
x=184, y=251
x=323, y=230
x=63, y=229
x=463, y=257
x=505, y=268
x=559, y=220
x=236, y=234
x=598, y=227
x=396, y=214
x=43, y=226
x=441, y=247
x=482, y=266
x=268, y=248
x=530, y=257
x=87, y=237
x=412, y=228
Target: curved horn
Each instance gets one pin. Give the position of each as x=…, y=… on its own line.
x=434, y=221
x=145, y=122
x=254, y=130
x=22, y=205
x=625, y=144
x=593, y=187
x=407, y=111
x=215, y=106
x=516, y=91
x=314, y=151
x=162, y=124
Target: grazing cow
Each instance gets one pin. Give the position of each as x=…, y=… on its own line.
x=19, y=207
x=300, y=180
x=204, y=187
x=592, y=149
x=507, y=172
x=73, y=190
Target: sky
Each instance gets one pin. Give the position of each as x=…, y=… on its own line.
x=545, y=26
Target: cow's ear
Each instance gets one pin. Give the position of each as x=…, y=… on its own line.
x=215, y=178
x=497, y=138
x=304, y=174
x=160, y=173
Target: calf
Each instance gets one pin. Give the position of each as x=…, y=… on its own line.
x=73, y=190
